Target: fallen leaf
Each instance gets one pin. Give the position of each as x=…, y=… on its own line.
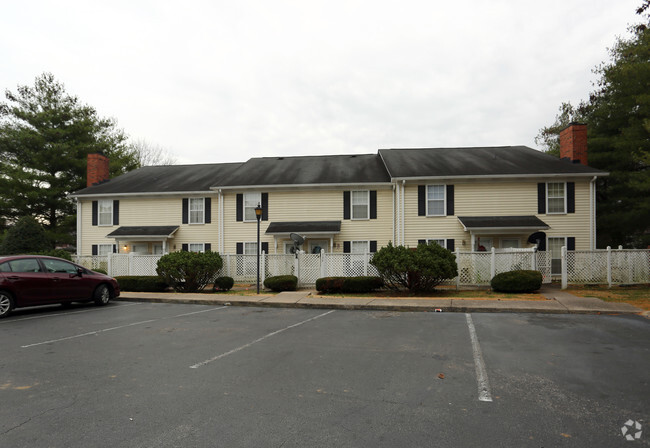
x=441, y=376
x=565, y=435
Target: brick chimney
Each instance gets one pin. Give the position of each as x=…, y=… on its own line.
x=573, y=143
x=97, y=169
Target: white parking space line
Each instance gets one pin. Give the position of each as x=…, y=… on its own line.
x=235, y=350
x=91, y=333
x=481, y=374
x=42, y=316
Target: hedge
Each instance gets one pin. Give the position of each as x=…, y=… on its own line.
x=141, y=283
x=349, y=284
x=517, y=281
x=281, y=283
x=223, y=283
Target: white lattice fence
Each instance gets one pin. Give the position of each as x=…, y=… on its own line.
x=587, y=266
x=92, y=262
x=630, y=266
x=279, y=265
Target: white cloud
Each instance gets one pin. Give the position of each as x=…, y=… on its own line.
x=225, y=81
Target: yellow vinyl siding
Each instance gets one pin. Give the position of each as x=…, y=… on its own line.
x=495, y=198
x=151, y=211
x=309, y=205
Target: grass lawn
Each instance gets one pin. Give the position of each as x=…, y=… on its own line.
x=638, y=295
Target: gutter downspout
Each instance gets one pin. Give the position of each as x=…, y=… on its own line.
x=394, y=214
x=79, y=227
x=402, y=213
x=220, y=220
x=592, y=213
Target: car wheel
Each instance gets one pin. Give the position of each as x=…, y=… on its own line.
x=6, y=303
x=102, y=295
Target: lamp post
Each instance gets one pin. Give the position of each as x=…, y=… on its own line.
x=258, y=215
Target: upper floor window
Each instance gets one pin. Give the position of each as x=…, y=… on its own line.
x=360, y=204
x=197, y=208
x=436, y=200
x=105, y=212
x=556, y=197
x=251, y=201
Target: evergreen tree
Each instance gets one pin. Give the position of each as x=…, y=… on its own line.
x=45, y=137
x=617, y=115
x=26, y=236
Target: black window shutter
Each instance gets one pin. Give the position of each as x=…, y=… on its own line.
x=346, y=247
x=570, y=197
x=422, y=242
x=240, y=249
x=95, y=213
x=541, y=198
x=208, y=212
x=571, y=243
x=186, y=210
x=116, y=213
x=373, y=204
x=114, y=248
x=265, y=206
x=450, y=200
x=94, y=249
x=346, y=205
x=422, y=200
x=207, y=247
x=451, y=244
x=240, y=207
x=265, y=247
x=373, y=246
x=185, y=247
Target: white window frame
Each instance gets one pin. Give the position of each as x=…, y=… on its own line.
x=196, y=246
x=248, y=244
x=101, y=249
x=201, y=210
x=559, y=255
x=367, y=203
x=101, y=214
x=257, y=201
x=366, y=242
x=444, y=200
x=438, y=240
x=548, y=198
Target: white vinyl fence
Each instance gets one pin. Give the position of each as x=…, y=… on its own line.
x=474, y=268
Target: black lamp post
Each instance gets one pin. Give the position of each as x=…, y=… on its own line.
x=258, y=215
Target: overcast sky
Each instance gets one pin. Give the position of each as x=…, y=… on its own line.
x=223, y=81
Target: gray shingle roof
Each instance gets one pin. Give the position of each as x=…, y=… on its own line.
x=477, y=161
x=164, y=179
x=478, y=222
x=301, y=227
x=143, y=231
x=309, y=170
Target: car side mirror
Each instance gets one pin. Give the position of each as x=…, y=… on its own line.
x=80, y=272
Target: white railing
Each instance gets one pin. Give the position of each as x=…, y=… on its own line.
x=474, y=268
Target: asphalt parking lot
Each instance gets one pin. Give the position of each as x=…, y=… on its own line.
x=176, y=375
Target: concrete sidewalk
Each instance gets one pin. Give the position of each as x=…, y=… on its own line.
x=557, y=301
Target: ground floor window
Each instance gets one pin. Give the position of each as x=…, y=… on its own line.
x=360, y=247
x=555, y=248
x=440, y=242
x=197, y=247
x=508, y=243
x=104, y=249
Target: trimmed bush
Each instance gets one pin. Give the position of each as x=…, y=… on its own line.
x=59, y=253
x=349, y=284
x=25, y=237
x=141, y=283
x=189, y=271
x=223, y=283
x=282, y=283
x=101, y=271
x=517, y=281
x=420, y=269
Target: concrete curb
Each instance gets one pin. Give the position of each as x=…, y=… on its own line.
x=563, y=304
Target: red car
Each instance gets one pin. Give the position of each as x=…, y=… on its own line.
x=30, y=280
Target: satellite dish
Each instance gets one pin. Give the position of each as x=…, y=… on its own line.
x=297, y=239
x=536, y=237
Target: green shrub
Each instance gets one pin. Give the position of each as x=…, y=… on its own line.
x=141, y=283
x=189, y=271
x=349, y=284
x=282, y=283
x=420, y=269
x=101, y=271
x=517, y=281
x=27, y=236
x=59, y=253
x=223, y=283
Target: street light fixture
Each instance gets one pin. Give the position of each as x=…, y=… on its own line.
x=258, y=215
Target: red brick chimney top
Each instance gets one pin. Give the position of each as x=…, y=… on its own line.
x=573, y=143
x=97, y=169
